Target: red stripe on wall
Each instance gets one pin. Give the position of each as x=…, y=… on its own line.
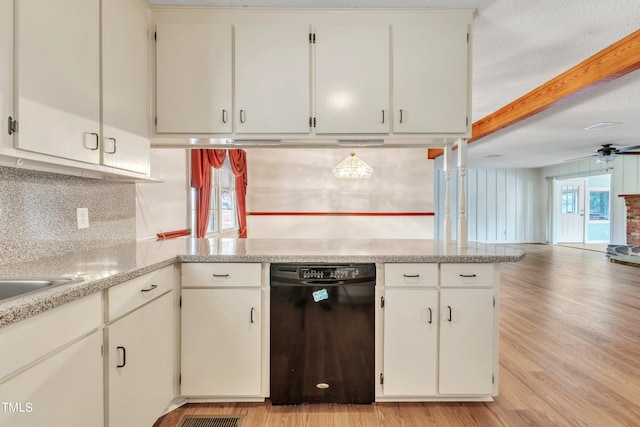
x=340, y=213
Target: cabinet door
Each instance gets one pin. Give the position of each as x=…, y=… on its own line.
x=141, y=349
x=221, y=342
x=410, y=342
x=193, y=78
x=6, y=71
x=430, y=78
x=125, y=85
x=272, y=79
x=352, y=79
x=64, y=389
x=466, y=341
x=58, y=89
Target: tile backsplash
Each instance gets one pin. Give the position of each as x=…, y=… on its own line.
x=38, y=214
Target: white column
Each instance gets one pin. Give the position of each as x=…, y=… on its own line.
x=462, y=203
x=446, y=224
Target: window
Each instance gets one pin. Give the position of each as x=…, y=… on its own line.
x=599, y=205
x=569, y=199
x=222, y=213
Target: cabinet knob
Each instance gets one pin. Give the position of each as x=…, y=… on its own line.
x=224, y=116
x=242, y=116
x=382, y=116
x=401, y=116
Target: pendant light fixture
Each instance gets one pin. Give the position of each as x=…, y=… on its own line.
x=352, y=168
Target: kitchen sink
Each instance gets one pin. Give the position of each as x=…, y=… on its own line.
x=14, y=287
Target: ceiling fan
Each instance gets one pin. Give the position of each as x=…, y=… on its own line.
x=607, y=153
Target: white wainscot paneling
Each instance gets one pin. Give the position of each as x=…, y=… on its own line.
x=501, y=205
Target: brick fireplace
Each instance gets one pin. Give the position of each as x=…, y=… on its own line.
x=632, y=202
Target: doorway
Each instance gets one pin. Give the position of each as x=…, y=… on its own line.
x=582, y=212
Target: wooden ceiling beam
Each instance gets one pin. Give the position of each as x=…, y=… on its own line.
x=617, y=60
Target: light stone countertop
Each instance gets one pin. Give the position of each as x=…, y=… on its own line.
x=105, y=267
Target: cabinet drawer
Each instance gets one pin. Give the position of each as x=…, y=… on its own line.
x=221, y=274
x=466, y=274
x=32, y=338
x=131, y=294
x=411, y=274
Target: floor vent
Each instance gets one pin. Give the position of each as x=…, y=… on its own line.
x=211, y=421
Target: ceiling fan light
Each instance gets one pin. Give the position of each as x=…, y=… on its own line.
x=608, y=158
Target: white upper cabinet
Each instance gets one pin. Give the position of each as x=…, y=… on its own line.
x=125, y=85
x=430, y=78
x=6, y=71
x=272, y=79
x=58, y=78
x=194, y=78
x=322, y=75
x=352, y=79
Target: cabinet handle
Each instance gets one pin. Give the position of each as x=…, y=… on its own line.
x=430, y=315
x=242, y=118
x=382, y=116
x=468, y=276
x=221, y=275
x=449, y=318
x=124, y=356
x=251, y=315
x=411, y=276
x=114, y=146
x=149, y=289
x=224, y=116
x=401, y=116
x=97, y=141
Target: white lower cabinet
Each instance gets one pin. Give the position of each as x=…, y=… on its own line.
x=65, y=389
x=221, y=342
x=466, y=341
x=141, y=364
x=439, y=336
x=410, y=342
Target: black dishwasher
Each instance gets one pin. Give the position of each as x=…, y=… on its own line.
x=322, y=333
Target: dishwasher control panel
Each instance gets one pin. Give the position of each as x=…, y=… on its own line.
x=329, y=273
x=292, y=272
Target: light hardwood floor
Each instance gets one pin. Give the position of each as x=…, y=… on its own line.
x=569, y=356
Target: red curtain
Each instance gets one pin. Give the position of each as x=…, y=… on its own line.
x=238, y=160
x=202, y=160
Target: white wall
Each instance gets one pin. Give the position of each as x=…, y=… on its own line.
x=300, y=180
x=163, y=206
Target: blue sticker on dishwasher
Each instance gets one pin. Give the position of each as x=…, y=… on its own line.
x=320, y=295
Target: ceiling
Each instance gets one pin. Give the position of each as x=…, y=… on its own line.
x=517, y=46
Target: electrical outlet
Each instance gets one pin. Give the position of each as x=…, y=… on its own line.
x=82, y=215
